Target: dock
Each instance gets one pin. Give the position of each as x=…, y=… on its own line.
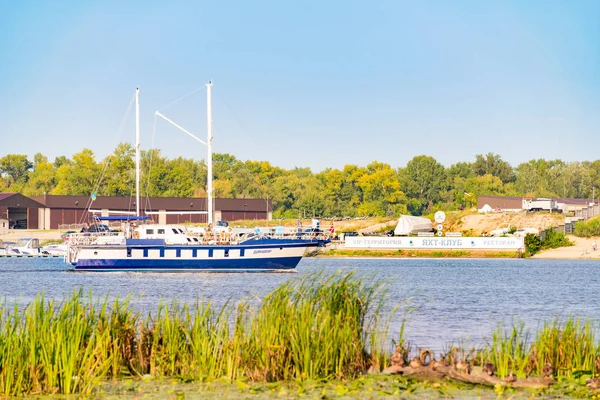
x=30, y=256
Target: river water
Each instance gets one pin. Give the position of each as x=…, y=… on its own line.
x=459, y=301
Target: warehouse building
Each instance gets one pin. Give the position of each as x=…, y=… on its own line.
x=50, y=212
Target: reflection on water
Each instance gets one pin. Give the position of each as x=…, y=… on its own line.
x=460, y=300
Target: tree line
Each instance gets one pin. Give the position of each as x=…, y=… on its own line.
x=377, y=189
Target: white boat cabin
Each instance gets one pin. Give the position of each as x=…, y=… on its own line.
x=171, y=234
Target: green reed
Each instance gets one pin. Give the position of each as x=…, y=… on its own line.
x=569, y=348
x=316, y=327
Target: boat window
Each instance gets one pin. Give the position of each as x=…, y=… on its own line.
x=161, y=231
x=195, y=239
x=22, y=243
x=149, y=231
x=181, y=231
x=189, y=240
x=175, y=231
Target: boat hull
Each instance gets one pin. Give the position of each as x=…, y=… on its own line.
x=137, y=256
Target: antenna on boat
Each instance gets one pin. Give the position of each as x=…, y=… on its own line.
x=209, y=139
x=208, y=144
x=137, y=151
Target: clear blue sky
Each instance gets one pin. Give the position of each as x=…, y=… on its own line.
x=306, y=83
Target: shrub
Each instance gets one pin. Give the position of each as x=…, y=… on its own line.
x=552, y=240
x=555, y=239
x=588, y=228
x=533, y=244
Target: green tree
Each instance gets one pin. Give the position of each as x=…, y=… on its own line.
x=425, y=180
x=462, y=170
x=484, y=185
x=528, y=179
x=15, y=167
x=381, y=191
x=494, y=165
x=119, y=177
x=223, y=165
x=81, y=177
x=41, y=179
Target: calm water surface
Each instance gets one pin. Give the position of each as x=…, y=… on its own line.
x=458, y=300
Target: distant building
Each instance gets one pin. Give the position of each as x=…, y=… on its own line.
x=518, y=203
x=21, y=212
x=503, y=203
x=568, y=205
x=48, y=212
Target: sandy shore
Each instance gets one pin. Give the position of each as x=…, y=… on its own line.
x=582, y=250
x=14, y=234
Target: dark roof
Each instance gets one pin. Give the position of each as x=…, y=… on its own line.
x=574, y=201
x=502, y=197
x=502, y=202
x=17, y=200
x=152, y=203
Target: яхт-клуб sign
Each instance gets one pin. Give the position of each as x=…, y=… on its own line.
x=376, y=242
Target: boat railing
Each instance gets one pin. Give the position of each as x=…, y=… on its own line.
x=87, y=238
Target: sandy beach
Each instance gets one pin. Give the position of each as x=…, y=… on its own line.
x=582, y=250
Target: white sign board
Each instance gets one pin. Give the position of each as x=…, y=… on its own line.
x=439, y=217
x=382, y=242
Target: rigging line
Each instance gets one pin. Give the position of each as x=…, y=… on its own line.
x=119, y=132
x=239, y=121
x=150, y=167
x=181, y=98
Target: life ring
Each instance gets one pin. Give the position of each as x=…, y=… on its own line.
x=136, y=235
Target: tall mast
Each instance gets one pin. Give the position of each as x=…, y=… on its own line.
x=137, y=151
x=209, y=155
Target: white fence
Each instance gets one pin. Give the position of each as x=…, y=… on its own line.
x=430, y=243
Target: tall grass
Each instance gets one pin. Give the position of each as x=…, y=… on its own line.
x=569, y=348
x=317, y=327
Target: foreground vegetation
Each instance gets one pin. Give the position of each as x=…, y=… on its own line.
x=315, y=328
x=552, y=240
x=317, y=336
x=422, y=186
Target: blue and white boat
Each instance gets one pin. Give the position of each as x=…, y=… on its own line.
x=170, y=248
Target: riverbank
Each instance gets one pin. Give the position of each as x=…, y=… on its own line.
x=403, y=253
x=581, y=250
x=318, y=336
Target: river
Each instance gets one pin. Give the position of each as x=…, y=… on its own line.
x=452, y=300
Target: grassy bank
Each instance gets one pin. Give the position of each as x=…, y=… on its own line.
x=319, y=335
x=318, y=327
x=419, y=253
